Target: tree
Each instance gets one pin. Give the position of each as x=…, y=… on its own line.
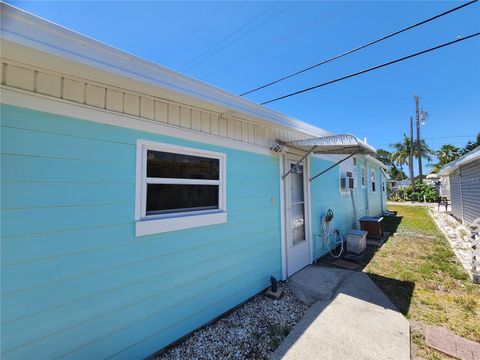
x=396, y=174
x=424, y=151
x=470, y=145
x=384, y=156
x=401, y=152
x=447, y=153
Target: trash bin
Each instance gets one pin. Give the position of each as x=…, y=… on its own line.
x=372, y=225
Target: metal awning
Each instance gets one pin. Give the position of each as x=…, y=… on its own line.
x=332, y=144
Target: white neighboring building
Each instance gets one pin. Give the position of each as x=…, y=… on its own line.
x=464, y=178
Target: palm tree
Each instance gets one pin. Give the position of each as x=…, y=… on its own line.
x=401, y=152
x=447, y=153
x=425, y=151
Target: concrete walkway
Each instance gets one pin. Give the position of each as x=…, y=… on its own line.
x=350, y=318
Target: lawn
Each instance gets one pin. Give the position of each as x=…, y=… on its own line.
x=419, y=272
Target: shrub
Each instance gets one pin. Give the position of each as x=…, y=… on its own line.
x=422, y=191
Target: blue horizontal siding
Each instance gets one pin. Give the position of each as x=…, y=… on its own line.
x=77, y=283
x=21, y=195
x=325, y=194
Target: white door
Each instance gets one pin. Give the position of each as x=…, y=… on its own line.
x=298, y=249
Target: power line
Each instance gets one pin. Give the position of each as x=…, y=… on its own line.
x=242, y=36
x=371, y=69
x=274, y=42
x=192, y=33
x=358, y=48
x=197, y=60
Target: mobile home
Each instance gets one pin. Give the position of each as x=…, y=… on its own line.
x=138, y=203
x=463, y=179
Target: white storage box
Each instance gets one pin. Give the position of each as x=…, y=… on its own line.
x=356, y=241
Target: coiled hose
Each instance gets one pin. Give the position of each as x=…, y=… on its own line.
x=326, y=222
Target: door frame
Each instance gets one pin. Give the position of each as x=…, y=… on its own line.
x=283, y=208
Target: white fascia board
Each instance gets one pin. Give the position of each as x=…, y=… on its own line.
x=455, y=164
x=31, y=31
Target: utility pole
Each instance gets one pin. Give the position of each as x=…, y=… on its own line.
x=419, y=149
x=410, y=158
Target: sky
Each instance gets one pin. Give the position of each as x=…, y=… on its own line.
x=240, y=45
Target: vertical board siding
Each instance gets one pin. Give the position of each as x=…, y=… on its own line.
x=456, y=194
x=471, y=190
x=68, y=239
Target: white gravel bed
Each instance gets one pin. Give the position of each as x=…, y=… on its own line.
x=457, y=236
x=252, y=331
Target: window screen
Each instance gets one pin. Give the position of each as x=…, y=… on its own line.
x=179, y=183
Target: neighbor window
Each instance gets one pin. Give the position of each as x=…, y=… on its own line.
x=178, y=188
x=373, y=180
x=363, y=176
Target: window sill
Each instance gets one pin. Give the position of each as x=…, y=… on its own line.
x=157, y=226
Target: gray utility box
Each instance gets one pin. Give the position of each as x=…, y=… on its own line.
x=356, y=241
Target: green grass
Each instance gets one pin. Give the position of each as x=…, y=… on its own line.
x=419, y=272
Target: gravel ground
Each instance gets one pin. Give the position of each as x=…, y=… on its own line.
x=456, y=235
x=253, y=331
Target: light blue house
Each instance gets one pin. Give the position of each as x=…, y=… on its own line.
x=138, y=204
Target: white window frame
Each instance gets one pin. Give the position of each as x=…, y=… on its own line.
x=373, y=178
x=159, y=223
x=345, y=167
x=363, y=176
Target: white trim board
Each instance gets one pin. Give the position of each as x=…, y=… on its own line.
x=56, y=106
x=282, y=218
x=154, y=224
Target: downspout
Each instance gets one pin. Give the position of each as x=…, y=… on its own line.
x=461, y=193
x=367, y=185
x=381, y=191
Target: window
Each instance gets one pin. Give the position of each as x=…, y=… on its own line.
x=347, y=182
x=347, y=175
x=372, y=172
x=178, y=188
x=363, y=175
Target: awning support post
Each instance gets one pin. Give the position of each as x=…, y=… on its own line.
x=331, y=167
x=299, y=161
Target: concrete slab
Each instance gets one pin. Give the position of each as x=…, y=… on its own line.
x=357, y=322
x=315, y=283
x=447, y=342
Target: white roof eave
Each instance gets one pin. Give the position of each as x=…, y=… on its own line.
x=23, y=28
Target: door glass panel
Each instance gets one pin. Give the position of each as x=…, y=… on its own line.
x=297, y=183
x=297, y=202
x=298, y=224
